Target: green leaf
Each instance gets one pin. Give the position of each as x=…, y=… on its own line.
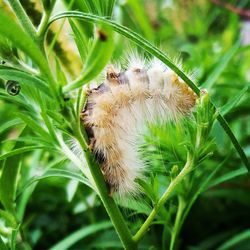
x=18, y=100
x=100, y=7
x=98, y=57
x=81, y=40
x=8, y=182
x=22, y=150
x=30, y=140
x=71, y=189
x=9, y=218
x=2, y=245
x=56, y=173
x=235, y=240
x=9, y=176
x=21, y=40
x=14, y=234
x=61, y=77
x=35, y=126
x=234, y=101
x=11, y=73
x=234, y=140
x=48, y=122
x=137, y=206
x=228, y=176
x=224, y=60
x=70, y=240
x=9, y=124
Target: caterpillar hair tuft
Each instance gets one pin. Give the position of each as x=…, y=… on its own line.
x=118, y=110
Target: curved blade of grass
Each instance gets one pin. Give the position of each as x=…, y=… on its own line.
x=14, y=99
x=9, y=124
x=22, y=150
x=80, y=40
x=30, y=140
x=8, y=182
x=143, y=43
x=234, y=140
x=70, y=240
x=9, y=177
x=235, y=240
x=55, y=173
x=224, y=60
x=234, y=101
x=228, y=176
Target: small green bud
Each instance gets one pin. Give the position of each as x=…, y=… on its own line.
x=174, y=172
x=205, y=110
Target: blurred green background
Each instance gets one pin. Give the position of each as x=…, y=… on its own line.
x=212, y=38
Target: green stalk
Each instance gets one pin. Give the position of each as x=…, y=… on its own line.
x=178, y=221
x=113, y=211
x=163, y=199
x=42, y=26
x=23, y=18
x=45, y=19
x=108, y=202
x=234, y=140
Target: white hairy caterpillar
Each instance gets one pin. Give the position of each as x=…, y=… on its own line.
x=117, y=111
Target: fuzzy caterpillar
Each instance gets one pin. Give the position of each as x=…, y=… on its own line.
x=117, y=111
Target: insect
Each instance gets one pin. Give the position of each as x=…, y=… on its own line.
x=13, y=87
x=117, y=111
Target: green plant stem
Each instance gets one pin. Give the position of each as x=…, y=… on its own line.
x=110, y=206
x=234, y=140
x=108, y=202
x=164, y=198
x=23, y=18
x=44, y=22
x=42, y=26
x=178, y=220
